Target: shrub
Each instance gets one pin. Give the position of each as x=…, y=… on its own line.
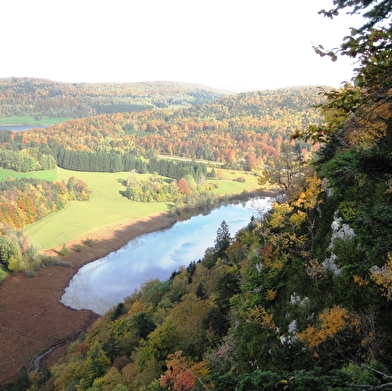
x=13, y=264
x=31, y=274
x=64, y=251
x=51, y=261
x=89, y=242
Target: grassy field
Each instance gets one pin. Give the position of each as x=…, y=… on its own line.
x=3, y=274
x=27, y=120
x=49, y=175
x=106, y=204
x=229, y=185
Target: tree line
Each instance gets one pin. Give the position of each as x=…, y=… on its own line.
x=185, y=192
x=25, y=200
x=17, y=253
x=178, y=169
x=114, y=162
x=26, y=160
x=41, y=97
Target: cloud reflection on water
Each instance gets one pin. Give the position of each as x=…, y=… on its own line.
x=100, y=285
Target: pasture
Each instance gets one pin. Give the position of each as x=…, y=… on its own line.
x=48, y=175
x=28, y=120
x=229, y=183
x=106, y=205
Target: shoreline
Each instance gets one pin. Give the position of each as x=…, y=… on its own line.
x=32, y=319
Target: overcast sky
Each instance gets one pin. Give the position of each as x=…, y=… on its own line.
x=238, y=45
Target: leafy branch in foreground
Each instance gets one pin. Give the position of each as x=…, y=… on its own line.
x=370, y=46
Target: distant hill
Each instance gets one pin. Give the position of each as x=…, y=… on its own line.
x=241, y=130
x=35, y=97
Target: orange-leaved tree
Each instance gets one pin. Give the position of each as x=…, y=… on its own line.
x=331, y=321
x=182, y=374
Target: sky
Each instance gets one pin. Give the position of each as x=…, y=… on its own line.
x=236, y=45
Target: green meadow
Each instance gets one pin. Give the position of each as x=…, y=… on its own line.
x=106, y=204
x=28, y=120
x=229, y=183
x=49, y=175
x=3, y=274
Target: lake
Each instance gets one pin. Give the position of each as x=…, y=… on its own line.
x=102, y=284
x=17, y=128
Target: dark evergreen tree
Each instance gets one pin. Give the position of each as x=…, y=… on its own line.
x=118, y=311
x=217, y=320
x=97, y=364
x=212, y=173
x=222, y=240
x=44, y=376
x=143, y=325
x=111, y=347
x=201, y=292
x=22, y=382
x=191, y=268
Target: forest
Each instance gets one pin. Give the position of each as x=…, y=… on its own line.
x=24, y=201
x=245, y=131
x=40, y=97
x=299, y=299
x=242, y=131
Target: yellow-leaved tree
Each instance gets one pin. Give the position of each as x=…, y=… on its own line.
x=308, y=202
x=383, y=277
x=331, y=321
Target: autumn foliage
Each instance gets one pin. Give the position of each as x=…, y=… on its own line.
x=242, y=130
x=331, y=321
x=41, y=97
x=300, y=298
x=24, y=201
x=182, y=374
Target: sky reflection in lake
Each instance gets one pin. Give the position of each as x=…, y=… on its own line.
x=100, y=285
x=17, y=128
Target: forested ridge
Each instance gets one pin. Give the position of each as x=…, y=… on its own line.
x=242, y=130
x=41, y=97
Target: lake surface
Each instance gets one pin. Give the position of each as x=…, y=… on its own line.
x=102, y=284
x=17, y=128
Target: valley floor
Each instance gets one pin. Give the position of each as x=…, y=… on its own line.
x=32, y=319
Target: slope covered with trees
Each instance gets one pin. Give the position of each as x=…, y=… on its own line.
x=24, y=201
x=41, y=97
x=298, y=300
x=242, y=131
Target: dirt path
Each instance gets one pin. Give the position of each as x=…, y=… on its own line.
x=32, y=319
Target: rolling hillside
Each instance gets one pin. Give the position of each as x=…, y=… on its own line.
x=42, y=97
x=241, y=130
